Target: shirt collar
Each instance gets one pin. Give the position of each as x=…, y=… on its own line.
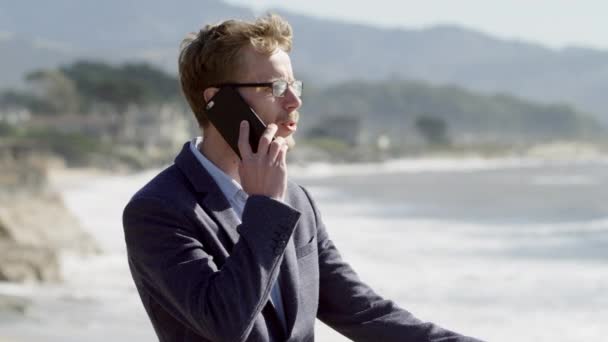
x=227, y=184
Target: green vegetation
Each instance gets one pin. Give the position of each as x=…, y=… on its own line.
x=120, y=86
x=433, y=130
x=396, y=105
x=344, y=120
x=6, y=130
x=76, y=149
x=13, y=98
x=327, y=144
x=85, y=85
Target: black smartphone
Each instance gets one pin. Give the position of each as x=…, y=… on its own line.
x=226, y=109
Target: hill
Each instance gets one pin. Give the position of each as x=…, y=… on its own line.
x=325, y=52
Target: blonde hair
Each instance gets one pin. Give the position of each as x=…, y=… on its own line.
x=213, y=56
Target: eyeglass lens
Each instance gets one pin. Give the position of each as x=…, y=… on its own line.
x=280, y=87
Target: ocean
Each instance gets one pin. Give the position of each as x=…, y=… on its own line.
x=503, y=250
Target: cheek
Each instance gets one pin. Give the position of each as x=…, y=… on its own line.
x=268, y=112
x=263, y=114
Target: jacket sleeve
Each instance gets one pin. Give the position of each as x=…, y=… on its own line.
x=171, y=264
x=353, y=309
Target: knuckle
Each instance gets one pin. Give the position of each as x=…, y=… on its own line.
x=265, y=139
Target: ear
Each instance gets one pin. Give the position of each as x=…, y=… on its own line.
x=209, y=92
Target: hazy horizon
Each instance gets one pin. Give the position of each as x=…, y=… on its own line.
x=555, y=24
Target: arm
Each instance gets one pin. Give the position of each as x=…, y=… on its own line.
x=174, y=268
x=352, y=308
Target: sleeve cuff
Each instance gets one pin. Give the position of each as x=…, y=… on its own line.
x=268, y=223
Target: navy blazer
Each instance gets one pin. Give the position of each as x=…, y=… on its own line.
x=203, y=277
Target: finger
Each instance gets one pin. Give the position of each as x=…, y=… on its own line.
x=244, y=147
x=274, y=149
x=282, y=156
x=266, y=139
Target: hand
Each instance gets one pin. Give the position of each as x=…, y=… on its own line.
x=263, y=172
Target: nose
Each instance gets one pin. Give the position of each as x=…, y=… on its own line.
x=291, y=100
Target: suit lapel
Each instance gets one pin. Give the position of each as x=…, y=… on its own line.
x=212, y=199
x=214, y=204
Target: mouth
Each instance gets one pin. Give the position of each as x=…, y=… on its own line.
x=291, y=126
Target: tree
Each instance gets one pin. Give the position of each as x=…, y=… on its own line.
x=120, y=86
x=56, y=89
x=433, y=130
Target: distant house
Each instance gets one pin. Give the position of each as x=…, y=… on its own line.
x=165, y=126
x=14, y=116
x=93, y=125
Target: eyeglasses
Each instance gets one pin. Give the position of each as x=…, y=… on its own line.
x=278, y=87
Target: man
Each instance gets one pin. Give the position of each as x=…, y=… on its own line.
x=224, y=249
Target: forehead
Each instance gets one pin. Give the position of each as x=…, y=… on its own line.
x=258, y=67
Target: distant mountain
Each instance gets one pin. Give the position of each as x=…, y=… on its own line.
x=325, y=51
x=112, y=30
x=112, y=24
x=335, y=51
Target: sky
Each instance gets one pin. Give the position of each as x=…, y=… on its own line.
x=553, y=23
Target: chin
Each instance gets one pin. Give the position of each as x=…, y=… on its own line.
x=291, y=142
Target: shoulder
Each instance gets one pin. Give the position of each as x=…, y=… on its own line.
x=300, y=198
x=169, y=188
x=297, y=195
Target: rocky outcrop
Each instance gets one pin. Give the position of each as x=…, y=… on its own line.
x=35, y=225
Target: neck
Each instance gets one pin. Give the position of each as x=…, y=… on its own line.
x=220, y=154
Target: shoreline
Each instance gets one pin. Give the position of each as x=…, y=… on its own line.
x=62, y=178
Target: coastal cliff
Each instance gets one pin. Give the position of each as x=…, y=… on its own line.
x=35, y=226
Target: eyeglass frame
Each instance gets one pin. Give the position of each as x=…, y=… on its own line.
x=267, y=85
